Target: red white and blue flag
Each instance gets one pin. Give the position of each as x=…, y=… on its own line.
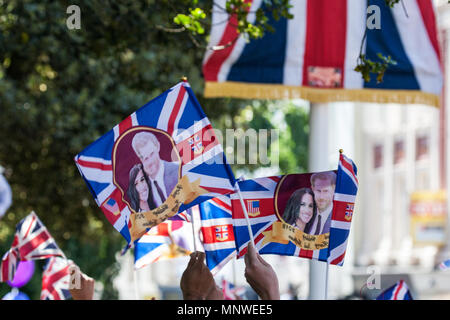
x=169, y=239
x=444, y=265
x=313, y=55
x=343, y=204
x=32, y=241
x=263, y=225
x=263, y=191
x=56, y=279
x=232, y=292
x=399, y=291
x=217, y=232
x=178, y=114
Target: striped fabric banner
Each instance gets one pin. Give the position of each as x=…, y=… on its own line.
x=313, y=55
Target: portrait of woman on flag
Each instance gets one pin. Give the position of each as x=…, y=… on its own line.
x=301, y=209
x=143, y=168
x=139, y=191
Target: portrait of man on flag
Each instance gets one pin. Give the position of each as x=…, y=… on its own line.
x=308, y=208
x=143, y=168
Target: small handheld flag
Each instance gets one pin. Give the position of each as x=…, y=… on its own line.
x=217, y=232
x=399, y=291
x=159, y=161
x=56, y=279
x=32, y=241
x=305, y=215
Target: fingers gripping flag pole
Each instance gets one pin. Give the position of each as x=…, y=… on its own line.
x=245, y=213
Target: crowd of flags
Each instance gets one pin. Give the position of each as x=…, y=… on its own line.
x=216, y=212
x=223, y=216
x=220, y=208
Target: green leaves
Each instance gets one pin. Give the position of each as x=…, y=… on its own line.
x=197, y=21
x=192, y=21
x=366, y=66
x=391, y=3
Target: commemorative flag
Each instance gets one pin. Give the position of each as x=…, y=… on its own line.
x=32, y=241
x=398, y=291
x=217, y=232
x=156, y=163
x=313, y=56
x=170, y=239
x=56, y=279
x=305, y=215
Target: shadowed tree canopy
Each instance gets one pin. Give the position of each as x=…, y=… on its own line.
x=62, y=89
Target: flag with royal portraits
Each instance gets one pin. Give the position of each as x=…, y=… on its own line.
x=161, y=160
x=306, y=215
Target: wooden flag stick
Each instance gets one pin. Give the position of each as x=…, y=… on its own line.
x=245, y=213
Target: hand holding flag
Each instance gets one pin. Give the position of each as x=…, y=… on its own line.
x=260, y=275
x=197, y=281
x=56, y=279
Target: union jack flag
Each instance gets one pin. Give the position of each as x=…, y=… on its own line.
x=32, y=241
x=344, y=200
x=399, y=291
x=169, y=239
x=217, y=232
x=56, y=279
x=319, y=48
x=264, y=190
x=177, y=113
x=232, y=292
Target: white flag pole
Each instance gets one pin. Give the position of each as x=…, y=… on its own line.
x=318, y=161
x=191, y=213
x=245, y=212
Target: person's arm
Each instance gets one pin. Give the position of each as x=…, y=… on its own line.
x=197, y=282
x=260, y=275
